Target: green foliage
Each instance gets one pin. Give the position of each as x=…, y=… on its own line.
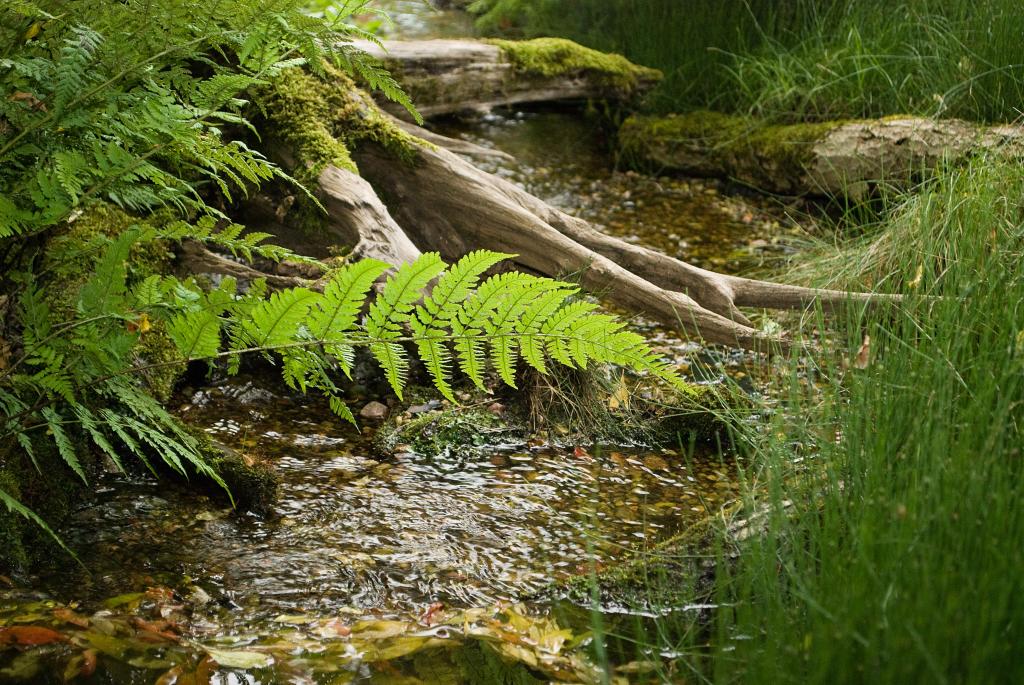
x=138, y=104
x=508, y=313
x=880, y=541
x=131, y=101
x=806, y=60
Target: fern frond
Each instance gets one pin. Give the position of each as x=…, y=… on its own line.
x=392, y=308
x=196, y=334
x=60, y=438
x=275, y=322
x=16, y=507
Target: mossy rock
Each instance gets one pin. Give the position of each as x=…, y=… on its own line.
x=702, y=414
x=439, y=432
x=251, y=483
x=553, y=57
x=774, y=157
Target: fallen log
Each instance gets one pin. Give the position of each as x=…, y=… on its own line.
x=828, y=159
x=447, y=76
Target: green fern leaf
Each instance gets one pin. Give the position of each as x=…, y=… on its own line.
x=341, y=409
x=60, y=438
x=392, y=308
x=275, y=322
x=196, y=334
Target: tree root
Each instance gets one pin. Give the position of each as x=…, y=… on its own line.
x=435, y=200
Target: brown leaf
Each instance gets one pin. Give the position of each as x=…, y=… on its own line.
x=30, y=636
x=68, y=616
x=863, y=358
x=431, y=612
x=32, y=100
x=336, y=627
x=89, y=658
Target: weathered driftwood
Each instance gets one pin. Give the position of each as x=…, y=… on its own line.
x=446, y=76
x=833, y=158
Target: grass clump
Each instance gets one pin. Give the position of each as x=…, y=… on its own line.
x=888, y=503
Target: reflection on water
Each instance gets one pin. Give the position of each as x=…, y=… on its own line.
x=351, y=531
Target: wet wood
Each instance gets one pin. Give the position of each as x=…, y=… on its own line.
x=449, y=76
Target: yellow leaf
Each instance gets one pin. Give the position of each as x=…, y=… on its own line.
x=917, y=277
x=620, y=396
x=863, y=357
x=33, y=30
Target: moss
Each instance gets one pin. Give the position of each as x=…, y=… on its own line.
x=322, y=117
x=253, y=484
x=550, y=57
x=438, y=433
x=156, y=347
x=72, y=253
x=50, y=491
x=12, y=526
x=718, y=144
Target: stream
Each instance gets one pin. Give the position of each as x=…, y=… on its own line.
x=397, y=568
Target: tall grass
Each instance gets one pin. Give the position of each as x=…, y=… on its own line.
x=805, y=59
x=893, y=546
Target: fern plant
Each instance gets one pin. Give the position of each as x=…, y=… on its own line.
x=128, y=101
x=133, y=103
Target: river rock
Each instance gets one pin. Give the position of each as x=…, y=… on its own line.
x=374, y=411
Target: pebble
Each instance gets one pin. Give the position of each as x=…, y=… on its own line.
x=374, y=411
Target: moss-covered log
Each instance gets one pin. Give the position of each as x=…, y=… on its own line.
x=446, y=76
x=832, y=158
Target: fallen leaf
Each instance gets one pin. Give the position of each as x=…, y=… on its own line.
x=240, y=659
x=580, y=452
x=431, y=613
x=30, y=636
x=81, y=665
x=336, y=627
x=380, y=629
x=295, y=620
x=32, y=100
x=620, y=397
x=66, y=615
x=863, y=357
